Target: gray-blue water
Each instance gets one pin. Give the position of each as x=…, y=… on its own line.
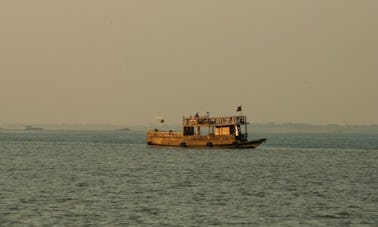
x=58, y=178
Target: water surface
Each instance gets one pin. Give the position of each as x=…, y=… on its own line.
x=67, y=178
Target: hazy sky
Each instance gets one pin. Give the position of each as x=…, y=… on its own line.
x=124, y=62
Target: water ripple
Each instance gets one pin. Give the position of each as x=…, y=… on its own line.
x=74, y=183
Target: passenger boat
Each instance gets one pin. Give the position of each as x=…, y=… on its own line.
x=205, y=131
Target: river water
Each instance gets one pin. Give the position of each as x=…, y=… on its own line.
x=104, y=178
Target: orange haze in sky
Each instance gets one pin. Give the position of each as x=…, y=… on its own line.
x=125, y=62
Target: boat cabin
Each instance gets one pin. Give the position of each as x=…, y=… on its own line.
x=216, y=126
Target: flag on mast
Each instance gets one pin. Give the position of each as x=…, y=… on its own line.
x=239, y=109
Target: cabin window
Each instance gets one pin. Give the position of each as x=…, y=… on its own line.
x=188, y=130
x=212, y=131
x=232, y=130
x=222, y=130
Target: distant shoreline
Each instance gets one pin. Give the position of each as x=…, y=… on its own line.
x=254, y=127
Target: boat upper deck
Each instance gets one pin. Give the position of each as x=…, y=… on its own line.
x=214, y=121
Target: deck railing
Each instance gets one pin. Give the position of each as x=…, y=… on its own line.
x=214, y=121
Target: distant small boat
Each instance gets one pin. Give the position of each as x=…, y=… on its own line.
x=205, y=131
x=31, y=128
x=124, y=129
